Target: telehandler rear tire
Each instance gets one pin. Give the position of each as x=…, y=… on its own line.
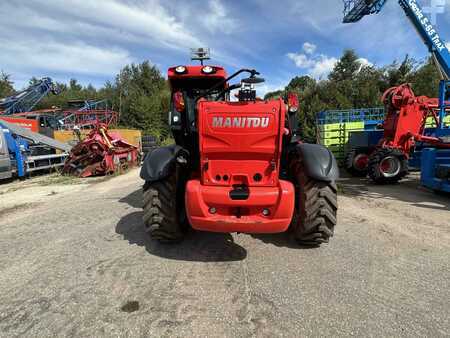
x=316, y=209
x=164, y=212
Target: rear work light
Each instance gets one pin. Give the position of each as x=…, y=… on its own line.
x=180, y=70
x=178, y=101
x=208, y=70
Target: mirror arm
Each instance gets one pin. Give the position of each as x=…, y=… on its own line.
x=253, y=72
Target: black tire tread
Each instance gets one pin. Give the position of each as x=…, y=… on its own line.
x=160, y=220
x=348, y=164
x=375, y=160
x=316, y=215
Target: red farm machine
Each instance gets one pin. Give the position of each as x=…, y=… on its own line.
x=236, y=166
x=101, y=153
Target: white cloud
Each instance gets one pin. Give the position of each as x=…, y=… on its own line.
x=263, y=89
x=87, y=39
x=309, y=48
x=217, y=18
x=448, y=46
x=323, y=66
x=301, y=60
x=74, y=58
x=147, y=22
x=364, y=62
x=316, y=65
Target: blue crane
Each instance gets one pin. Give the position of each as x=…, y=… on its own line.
x=355, y=10
x=27, y=99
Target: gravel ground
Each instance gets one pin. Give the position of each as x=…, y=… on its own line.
x=75, y=261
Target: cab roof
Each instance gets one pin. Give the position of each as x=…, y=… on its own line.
x=196, y=72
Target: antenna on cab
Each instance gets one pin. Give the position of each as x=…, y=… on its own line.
x=200, y=54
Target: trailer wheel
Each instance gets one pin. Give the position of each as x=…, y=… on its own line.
x=356, y=162
x=387, y=166
x=164, y=212
x=316, y=209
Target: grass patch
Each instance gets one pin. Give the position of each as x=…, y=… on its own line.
x=58, y=179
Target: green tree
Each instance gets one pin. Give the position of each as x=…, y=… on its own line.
x=6, y=85
x=346, y=67
x=425, y=79
x=141, y=94
x=396, y=74
x=300, y=83
x=143, y=98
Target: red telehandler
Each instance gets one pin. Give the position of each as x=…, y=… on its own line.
x=236, y=166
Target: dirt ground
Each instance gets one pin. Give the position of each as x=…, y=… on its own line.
x=75, y=261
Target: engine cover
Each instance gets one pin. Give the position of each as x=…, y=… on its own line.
x=240, y=142
x=239, y=189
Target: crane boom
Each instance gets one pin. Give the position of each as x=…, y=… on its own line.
x=27, y=99
x=355, y=10
x=429, y=35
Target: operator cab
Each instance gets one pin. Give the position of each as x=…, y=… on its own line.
x=190, y=84
x=187, y=84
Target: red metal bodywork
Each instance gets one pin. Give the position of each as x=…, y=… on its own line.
x=279, y=200
x=100, y=153
x=406, y=118
x=240, y=145
x=31, y=125
x=196, y=72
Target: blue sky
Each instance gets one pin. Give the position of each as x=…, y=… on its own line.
x=92, y=40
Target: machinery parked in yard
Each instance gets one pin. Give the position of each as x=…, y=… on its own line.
x=436, y=169
x=16, y=108
x=403, y=127
x=23, y=152
x=27, y=99
x=84, y=114
x=406, y=117
x=236, y=166
x=81, y=114
x=101, y=153
x=87, y=114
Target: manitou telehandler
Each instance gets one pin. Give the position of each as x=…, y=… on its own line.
x=237, y=166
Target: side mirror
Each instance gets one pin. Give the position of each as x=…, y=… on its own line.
x=292, y=103
x=253, y=80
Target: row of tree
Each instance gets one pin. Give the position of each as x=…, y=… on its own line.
x=141, y=94
x=354, y=85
